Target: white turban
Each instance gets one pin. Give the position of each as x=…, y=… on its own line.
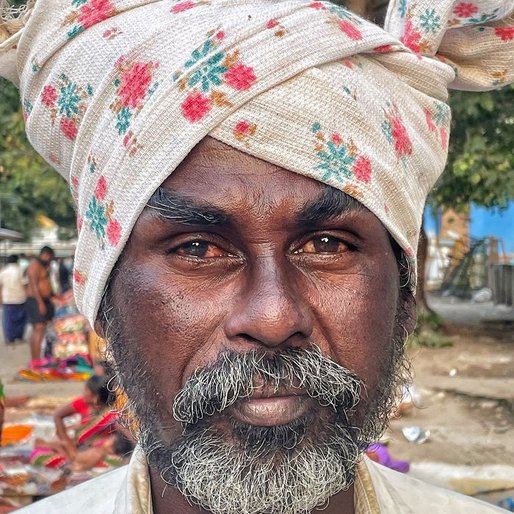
x=117, y=92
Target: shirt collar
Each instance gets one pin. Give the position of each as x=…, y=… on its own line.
x=135, y=495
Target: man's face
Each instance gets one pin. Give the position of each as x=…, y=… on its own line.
x=46, y=258
x=241, y=265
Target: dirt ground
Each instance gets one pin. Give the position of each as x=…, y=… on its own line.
x=466, y=401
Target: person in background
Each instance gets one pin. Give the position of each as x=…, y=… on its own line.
x=23, y=262
x=115, y=445
x=39, y=305
x=93, y=408
x=63, y=276
x=13, y=296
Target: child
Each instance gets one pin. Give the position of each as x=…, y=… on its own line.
x=93, y=407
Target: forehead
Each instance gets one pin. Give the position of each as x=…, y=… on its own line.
x=224, y=176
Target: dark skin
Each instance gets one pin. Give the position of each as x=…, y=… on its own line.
x=265, y=271
x=39, y=287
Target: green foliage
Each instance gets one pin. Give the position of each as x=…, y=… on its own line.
x=28, y=185
x=480, y=165
x=427, y=338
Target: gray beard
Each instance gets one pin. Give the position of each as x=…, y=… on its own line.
x=227, y=467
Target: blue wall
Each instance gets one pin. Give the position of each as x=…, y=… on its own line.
x=489, y=222
x=483, y=222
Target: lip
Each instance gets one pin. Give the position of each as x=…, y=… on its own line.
x=266, y=409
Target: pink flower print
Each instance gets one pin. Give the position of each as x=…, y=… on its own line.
x=113, y=232
x=220, y=35
x=411, y=37
x=182, y=6
x=240, y=77
x=383, y=49
x=336, y=139
x=68, y=128
x=135, y=83
x=54, y=159
x=465, y=10
x=78, y=277
x=402, y=142
x=430, y=121
x=362, y=169
x=318, y=5
x=444, y=137
x=348, y=63
x=74, y=182
x=242, y=127
x=80, y=221
x=505, y=33
x=94, y=12
x=101, y=188
x=243, y=130
x=272, y=24
x=48, y=96
x=350, y=29
x=195, y=106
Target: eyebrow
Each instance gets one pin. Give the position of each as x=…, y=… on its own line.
x=330, y=204
x=184, y=211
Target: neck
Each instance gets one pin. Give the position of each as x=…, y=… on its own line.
x=166, y=498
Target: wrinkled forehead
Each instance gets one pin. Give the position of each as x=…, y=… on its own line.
x=219, y=174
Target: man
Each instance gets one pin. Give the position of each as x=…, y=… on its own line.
x=12, y=292
x=39, y=305
x=250, y=179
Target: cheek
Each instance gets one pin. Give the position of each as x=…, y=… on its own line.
x=175, y=326
x=357, y=323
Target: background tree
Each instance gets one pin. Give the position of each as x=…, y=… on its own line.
x=28, y=184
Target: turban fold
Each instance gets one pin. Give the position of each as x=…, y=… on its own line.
x=117, y=92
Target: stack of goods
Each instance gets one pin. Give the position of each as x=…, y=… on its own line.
x=70, y=336
x=20, y=479
x=67, y=355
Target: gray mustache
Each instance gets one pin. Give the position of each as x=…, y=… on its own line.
x=235, y=375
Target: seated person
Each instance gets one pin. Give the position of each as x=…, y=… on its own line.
x=114, y=450
x=97, y=421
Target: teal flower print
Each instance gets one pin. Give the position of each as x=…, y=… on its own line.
x=209, y=74
x=96, y=215
x=484, y=17
x=27, y=105
x=430, y=20
x=68, y=100
x=78, y=3
x=341, y=12
x=75, y=31
x=123, y=120
x=441, y=113
x=199, y=53
x=402, y=8
x=387, y=131
x=336, y=161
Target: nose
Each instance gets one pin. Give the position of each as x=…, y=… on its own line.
x=269, y=310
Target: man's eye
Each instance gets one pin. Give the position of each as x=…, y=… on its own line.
x=200, y=249
x=324, y=244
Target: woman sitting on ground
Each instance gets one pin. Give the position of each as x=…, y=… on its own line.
x=97, y=423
